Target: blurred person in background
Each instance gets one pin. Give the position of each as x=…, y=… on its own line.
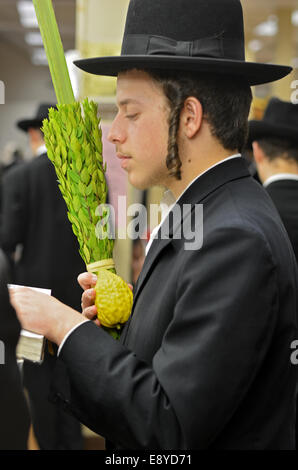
x=11, y=156
x=14, y=412
x=35, y=218
x=275, y=146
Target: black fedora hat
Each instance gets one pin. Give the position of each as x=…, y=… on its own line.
x=185, y=35
x=36, y=121
x=280, y=121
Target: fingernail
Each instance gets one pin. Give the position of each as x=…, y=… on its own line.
x=91, y=293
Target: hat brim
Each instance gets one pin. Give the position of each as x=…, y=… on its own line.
x=255, y=73
x=260, y=129
x=25, y=124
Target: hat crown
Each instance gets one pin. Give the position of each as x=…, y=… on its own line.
x=197, y=36
x=282, y=113
x=185, y=21
x=43, y=111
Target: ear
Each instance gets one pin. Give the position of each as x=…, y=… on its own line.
x=191, y=117
x=259, y=155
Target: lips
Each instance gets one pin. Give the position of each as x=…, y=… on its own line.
x=122, y=156
x=124, y=159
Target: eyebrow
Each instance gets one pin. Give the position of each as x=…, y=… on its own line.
x=128, y=101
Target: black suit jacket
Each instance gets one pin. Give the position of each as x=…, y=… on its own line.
x=14, y=413
x=34, y=215
x=284, y=194
x=204, y=361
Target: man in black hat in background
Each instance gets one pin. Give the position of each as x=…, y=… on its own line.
x=15, y=421
x=34, y=216
x=275, y=146
x=274, y=140
x=204, y=360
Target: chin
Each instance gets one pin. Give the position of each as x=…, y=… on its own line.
x=138, y=184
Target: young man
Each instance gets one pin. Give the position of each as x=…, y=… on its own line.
x=275, y=147
x=204, y=361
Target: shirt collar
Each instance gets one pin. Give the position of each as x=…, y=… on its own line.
x=168, y=200
x=280, y=177
x=41, y=150
x=168, y=197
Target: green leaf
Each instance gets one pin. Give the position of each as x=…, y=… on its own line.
x=68, y=128
x=82, y=188
x=86, y=253
x=85, y=176
x=76, y=203
x=89, y=190
x=73, y=176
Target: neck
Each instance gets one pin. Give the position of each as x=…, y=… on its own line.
x=35, y=145
x=277, y=166
x=194, y=163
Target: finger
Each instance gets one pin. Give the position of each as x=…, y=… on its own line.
x=87, y=280
x=96, y=322
x=90, y=312
x=16, y=291
x=16, y=297
x=130, y=286
x=88, y=298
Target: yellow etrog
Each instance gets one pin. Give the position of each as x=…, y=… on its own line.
x=113, y=299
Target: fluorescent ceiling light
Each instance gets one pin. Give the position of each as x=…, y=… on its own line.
x=295, y=18
x=267, y=28
x=39, y=57
x=255, y=45
x=27, y=14
x=33, y=39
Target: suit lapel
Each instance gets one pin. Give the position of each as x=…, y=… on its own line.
x=195, y=194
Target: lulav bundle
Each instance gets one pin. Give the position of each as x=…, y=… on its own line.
x=73, y=141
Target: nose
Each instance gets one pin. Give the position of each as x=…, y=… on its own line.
x=116, y=133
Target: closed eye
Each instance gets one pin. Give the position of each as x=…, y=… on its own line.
x=131, y=116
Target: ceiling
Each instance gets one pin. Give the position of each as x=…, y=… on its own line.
x=13, y=33
x=258, y=11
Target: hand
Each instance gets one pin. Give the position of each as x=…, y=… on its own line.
x=43, y=314
x=87, y=281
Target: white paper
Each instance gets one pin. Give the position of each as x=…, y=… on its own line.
x=39, y=289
